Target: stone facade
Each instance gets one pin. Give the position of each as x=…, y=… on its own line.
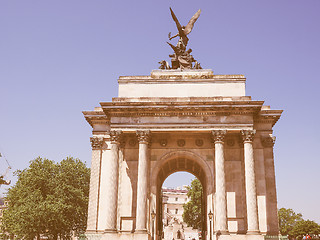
x=191, y=121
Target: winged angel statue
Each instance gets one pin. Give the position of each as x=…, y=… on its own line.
x=182, y=58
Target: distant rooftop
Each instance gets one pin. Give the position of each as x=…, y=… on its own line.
x=182, y=189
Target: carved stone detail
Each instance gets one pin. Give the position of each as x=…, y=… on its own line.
x=132, y=142
x=230, y=142
x=199, y=142
x=96, y=142
x=115, y=136
x=218, y=135
x=143, y=136
x=248, y=135
x=181, y=142
x=163, y=142
x=268, y=141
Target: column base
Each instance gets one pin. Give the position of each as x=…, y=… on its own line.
x=141, y=235
x=222, y=232
x=110, y=236
x=110, y=231
x=238, y=237
x=140, y=231
x=253, y=232
x=93, y=235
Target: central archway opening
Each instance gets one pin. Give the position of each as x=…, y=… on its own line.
x=171, y=198
x=181, y=207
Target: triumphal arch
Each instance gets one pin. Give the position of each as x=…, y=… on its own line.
x=182, y=118
x=191, y=121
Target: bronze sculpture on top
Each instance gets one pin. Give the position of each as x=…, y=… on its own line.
x=182, y=58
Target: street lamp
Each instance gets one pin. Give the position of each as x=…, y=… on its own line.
x=153, y=215
x=210, y=215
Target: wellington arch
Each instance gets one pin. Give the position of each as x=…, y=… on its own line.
x=193, y=121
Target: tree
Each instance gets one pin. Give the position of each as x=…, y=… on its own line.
x=192, y=209
x=287, y=220
x=305, y=227
x=294, y=225
x=48, y=199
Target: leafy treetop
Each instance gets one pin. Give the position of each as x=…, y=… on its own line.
x=49, y=199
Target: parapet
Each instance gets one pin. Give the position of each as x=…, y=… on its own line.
x=182, y=83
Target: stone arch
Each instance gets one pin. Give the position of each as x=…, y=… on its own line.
x=181, y=160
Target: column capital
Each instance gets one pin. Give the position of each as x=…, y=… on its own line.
x=143, y=136
x=248, y=135
x=96, y=142
x=268, y=141
x=115, y=136
x=218, y=135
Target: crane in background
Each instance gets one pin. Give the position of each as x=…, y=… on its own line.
x=3, y=177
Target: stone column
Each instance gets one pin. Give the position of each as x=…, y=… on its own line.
x=112, y=182
x=92, y=222
x=221, y=202
x=142, y=185
x=251, y=193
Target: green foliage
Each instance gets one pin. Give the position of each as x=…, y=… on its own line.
x=294, y=225
x=305, y=227
x=192, y=209
x=287, y=220
x=49, y=199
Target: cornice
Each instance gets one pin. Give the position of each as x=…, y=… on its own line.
x=96, y=117
x=182, y=77
x=187, y=108
x=268, y=116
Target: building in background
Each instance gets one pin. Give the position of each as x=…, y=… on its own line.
x=173, y=200
x=172, y=210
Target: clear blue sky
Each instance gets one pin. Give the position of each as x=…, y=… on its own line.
x=58, y=58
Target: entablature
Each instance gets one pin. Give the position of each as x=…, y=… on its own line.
x=188, y=108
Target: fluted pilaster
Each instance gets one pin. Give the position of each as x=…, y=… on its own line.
x=92, y=222
x=142, y=185
x=112, y=182
x=251, y=192
x=221, y=202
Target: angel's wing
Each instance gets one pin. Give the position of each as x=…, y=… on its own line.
x=181, y=33
x=190, y=24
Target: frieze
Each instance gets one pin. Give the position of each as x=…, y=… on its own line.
x=132, y=142
x=178, y=113
x=268, y=141
x=96, y=142
x=230, y=142
x=199, y=142
x=181, y=142
x=163, y=142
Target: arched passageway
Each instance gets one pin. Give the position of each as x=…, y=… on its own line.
x=177, y=162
